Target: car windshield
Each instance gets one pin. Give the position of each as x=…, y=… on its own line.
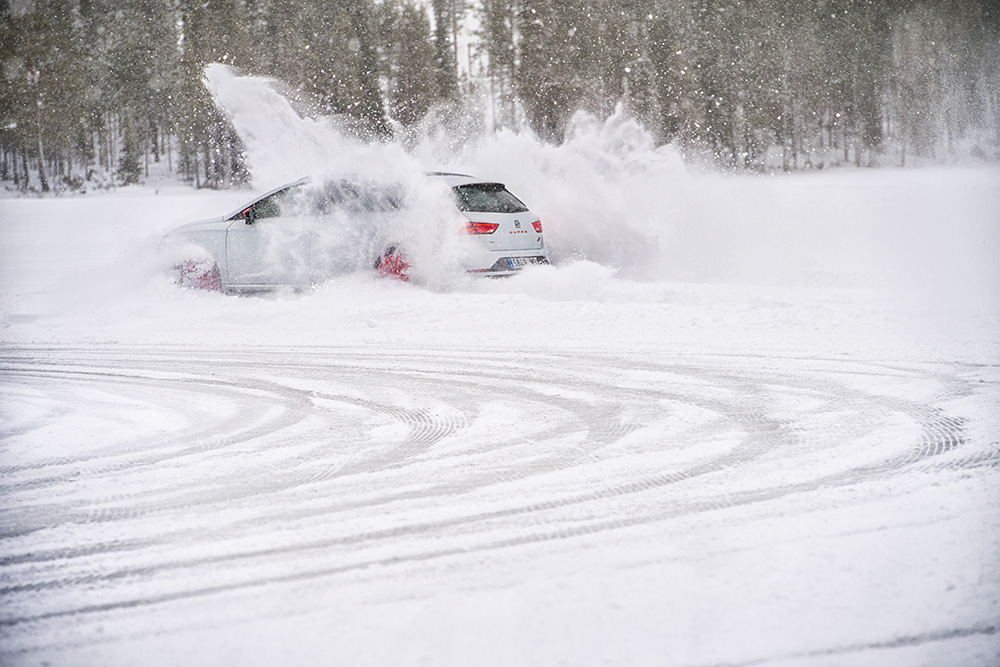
x=487, y=198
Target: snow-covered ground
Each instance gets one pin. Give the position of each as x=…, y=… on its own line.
x=744, y=420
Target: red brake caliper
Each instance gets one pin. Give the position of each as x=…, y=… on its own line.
x=394, y=265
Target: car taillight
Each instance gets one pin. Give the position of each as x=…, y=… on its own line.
x=480, y=227
x=537, y=225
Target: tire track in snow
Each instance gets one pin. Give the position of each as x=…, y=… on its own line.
x=678, y=476
x=424, y=430
x=734, y=399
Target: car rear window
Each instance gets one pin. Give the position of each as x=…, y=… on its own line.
x=487, y=198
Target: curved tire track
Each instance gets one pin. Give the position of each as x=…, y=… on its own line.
x=362, y=452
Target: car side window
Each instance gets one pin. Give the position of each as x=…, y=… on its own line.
x=357, y=197
x=270, y=207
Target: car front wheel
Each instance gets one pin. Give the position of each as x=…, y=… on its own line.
x=200, y=274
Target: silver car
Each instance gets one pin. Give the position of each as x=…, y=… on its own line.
x=300, y=234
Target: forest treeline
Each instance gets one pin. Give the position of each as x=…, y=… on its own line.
x=97, y=91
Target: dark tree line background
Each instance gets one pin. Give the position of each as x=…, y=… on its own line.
x=97, y=91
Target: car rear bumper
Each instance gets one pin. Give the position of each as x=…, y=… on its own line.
x=510, y=265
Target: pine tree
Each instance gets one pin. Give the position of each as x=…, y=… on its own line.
x=411, y=67
x=496, y=42
x=107, y=85
x=544, y=78
x=43, y=88
x=213, y=31
x=446, y=17
x=139, y=72
x=326, y=50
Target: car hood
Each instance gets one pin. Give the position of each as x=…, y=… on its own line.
x=200, y=226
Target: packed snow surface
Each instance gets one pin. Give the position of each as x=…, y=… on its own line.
x=743, y=420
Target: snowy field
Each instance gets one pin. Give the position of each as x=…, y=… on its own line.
x=743, y=421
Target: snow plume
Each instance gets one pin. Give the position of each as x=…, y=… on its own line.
x=609, y=195
x=283, y=145
x=606, y=195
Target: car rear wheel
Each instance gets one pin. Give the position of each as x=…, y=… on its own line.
x=392, y=263
x=200, y=274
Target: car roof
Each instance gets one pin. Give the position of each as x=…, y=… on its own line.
x=453, y=179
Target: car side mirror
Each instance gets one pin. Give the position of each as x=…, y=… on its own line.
x=250, y=215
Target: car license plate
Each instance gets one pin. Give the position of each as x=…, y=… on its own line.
x=518, y=262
